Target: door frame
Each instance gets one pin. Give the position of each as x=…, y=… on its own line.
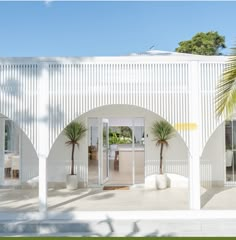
x=19, y=133
x=103, y=180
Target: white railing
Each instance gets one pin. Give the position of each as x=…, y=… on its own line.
x=179, y=167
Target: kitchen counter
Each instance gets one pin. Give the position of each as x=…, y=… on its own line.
x=126, y=159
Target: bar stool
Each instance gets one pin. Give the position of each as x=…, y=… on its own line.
x=15, y=166
x=7, y=165
x=116, y=161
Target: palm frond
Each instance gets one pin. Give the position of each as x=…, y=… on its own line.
x=74, y=132
x=162, y=132
x=226, y=88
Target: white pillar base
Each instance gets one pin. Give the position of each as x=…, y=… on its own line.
x=194, y=184
x=43, y=185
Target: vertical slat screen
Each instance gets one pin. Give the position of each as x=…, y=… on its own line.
x=210, y=74
x=78, y=88
x=162, y=88
x=18, y=96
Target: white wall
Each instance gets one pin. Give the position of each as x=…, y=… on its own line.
x=176, y=155
x=212, y=159
x=29, y=159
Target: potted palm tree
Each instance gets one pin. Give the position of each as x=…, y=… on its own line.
x=74, y=132
x=162, y=132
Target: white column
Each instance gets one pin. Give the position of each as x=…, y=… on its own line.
x=194, y=134
x=133, y=147
x=2, y=146
x=43, y=134
x=194, y=178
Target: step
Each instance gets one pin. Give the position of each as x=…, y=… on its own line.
x=110, y=227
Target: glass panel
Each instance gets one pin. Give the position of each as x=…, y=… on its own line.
x=234, y=150
x=234, y=135
x=139, y=150
x=93, y=152
x=121, y=153
x=228, y=135
x=105, y=152
x=12, y=154
x=229, y=151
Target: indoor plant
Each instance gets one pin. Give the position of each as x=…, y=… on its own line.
x=74, y=132
x=162, y=132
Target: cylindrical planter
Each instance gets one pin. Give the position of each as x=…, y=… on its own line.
x=71, y=182
x=161, y=181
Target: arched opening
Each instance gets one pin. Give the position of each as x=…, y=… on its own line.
x=218, y=168
x=212, y=159
x=18, y=168
x=139, y=154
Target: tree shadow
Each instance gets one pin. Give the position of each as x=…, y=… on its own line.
x=11, y=87
x=135, y=230
x=91, y=195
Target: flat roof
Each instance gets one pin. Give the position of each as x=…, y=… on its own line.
x=152, y=56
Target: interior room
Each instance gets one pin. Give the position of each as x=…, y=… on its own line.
x=11, y=154
x=123, y=149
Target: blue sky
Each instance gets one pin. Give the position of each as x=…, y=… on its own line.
x=108, y=28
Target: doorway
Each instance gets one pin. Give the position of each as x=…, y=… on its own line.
x=11, y=152
x=230, y=147
x=116, y=151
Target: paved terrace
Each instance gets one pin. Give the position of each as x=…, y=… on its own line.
x=136, y=199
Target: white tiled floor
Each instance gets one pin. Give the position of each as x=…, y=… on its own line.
x=115, y=177
x=133, y=199
x=95, y=199
x=11, y=181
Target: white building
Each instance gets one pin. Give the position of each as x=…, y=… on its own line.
x=40, y=96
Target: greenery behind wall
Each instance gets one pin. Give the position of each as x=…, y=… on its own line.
x=209, y=43
x=120, y=135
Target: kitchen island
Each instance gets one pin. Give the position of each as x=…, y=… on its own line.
x=126, y=158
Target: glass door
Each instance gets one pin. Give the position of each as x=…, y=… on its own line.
x=104, y=151
x=139, y=151
x=93, y=150
x=12, y=154
x=230, y=151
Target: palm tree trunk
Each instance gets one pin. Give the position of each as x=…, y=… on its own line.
x=161, y=158
x=72, y=159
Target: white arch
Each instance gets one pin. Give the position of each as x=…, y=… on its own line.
x=177, y=163
x=115, y=105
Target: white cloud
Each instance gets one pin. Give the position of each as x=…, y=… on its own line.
x=47, y=3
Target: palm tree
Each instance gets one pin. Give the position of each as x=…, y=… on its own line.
x=162, y=132
x=75, y=131
x=226, y=88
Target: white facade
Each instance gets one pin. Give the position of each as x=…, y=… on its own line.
x=43, y=95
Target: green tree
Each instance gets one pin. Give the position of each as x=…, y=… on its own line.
x=74, y=132
x=162, y=132
x=209, y=43
x=226, y=88
x=126, y=132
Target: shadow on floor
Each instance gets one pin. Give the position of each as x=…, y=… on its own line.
x=93, y=195
x=208, y=195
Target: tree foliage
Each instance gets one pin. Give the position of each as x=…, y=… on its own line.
x=74, y=132
x=162, y=132
x=210, y=43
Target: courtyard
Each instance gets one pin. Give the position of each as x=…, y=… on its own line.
x=97, y=199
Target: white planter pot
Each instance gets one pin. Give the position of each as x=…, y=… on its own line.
x=71, y=182
x=161, y=181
